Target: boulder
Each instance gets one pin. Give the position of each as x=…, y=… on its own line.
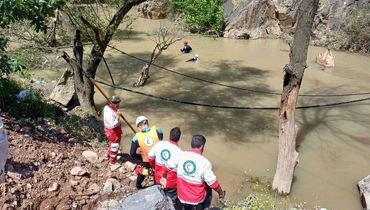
x=154, y=9
x=64, y=90
x=364, y=188
x=151, y=198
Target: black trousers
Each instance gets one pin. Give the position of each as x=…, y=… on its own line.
x=205, y=204
x=172, y=193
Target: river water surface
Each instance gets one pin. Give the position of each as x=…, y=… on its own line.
x=334, y=141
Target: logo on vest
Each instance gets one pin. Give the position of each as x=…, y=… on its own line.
x=165, y=154
x=148, y=141
x=189, y=167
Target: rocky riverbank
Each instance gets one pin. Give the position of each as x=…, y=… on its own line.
x=49, y=168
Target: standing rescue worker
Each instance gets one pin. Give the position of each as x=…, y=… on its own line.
x=195, y=177
x=112, y=128
x=164, y=157
x=144, y=140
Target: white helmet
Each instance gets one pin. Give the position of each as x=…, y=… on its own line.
x=140, y=119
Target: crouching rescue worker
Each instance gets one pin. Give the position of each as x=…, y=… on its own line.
x=112, y=128
x=163, y=157
x=144, y=140
x=195, y=178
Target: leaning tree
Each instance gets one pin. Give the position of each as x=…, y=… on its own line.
x=288, y=156
x=89, y=20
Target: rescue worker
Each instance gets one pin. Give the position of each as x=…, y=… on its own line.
x=4, y=150
x=112, y=128
x=144, y=140
x=195, y=178
x=163, y=157
x=186, y=48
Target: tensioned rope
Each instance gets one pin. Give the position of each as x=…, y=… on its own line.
x=234, y=87
x=228, y=107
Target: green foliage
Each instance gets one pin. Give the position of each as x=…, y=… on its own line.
x=31, y=58
x=31, y=107
x=201, y=16
x=358, y=30
x=34, y=10
x=9, y=65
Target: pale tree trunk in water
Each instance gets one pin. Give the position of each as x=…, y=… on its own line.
x=288, y=156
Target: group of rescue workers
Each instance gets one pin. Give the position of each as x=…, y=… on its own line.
x=185, y=176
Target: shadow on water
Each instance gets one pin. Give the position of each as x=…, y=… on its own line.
x=205, y=119
x=332, y=119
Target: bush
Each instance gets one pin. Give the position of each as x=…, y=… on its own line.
x=358, y=31
x=9, y=65
x=201, y=16
x=31, y=107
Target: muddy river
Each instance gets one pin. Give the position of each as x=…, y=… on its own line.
x=334, y=141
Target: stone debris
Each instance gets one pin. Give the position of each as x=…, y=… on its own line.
x=78, y=171
x=364, y=188
x=90, y=156
x=54, y=187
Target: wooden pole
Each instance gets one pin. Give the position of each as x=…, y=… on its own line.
x=106, y=97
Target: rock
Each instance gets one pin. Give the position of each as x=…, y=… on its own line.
x=109, y=204
x=78, y=171
x=90, y=156
x=132, y=178
x=54, y=187
x=364, y=188
x=111, y=185
x=129, y=166
x=26, y=130
x=16, y=127
x=154, y=9
x=73, y=182
x=115, y=166
x=64, y=90
x=93, y=189
x=15, y=175
x=122, y=170
x=151, y=198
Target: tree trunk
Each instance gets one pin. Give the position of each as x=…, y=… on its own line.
x=294, y=71
x=84, y=87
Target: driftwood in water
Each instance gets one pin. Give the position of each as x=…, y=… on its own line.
x=143, y=77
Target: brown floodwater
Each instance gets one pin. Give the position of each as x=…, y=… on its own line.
x=334, y=141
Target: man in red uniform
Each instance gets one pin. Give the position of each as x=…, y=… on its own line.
x=163, y=157
x=112, y=128
x=195, y=177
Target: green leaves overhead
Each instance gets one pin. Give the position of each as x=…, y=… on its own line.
x=34, y=10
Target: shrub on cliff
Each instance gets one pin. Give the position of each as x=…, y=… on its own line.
x=358, y=31
x=201, y=16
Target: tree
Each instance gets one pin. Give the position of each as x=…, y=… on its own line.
x=86, y=19
x=288, y=156
x=17, y=10
x=163, y=39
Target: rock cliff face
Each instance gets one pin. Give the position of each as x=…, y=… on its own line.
x=252, y=19
x=154, y=9
x=331, y=17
